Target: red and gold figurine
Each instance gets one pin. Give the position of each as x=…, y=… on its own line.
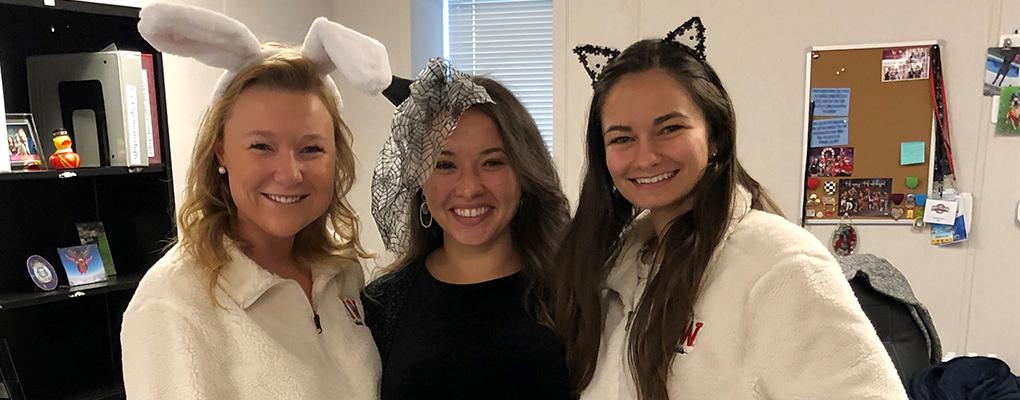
x=64, y=157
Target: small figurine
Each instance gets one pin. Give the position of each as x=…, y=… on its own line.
x=64, y=157
x=845, y=239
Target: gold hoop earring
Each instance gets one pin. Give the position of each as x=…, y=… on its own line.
x=423, y=211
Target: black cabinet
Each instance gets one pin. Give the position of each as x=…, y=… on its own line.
x=65, y=344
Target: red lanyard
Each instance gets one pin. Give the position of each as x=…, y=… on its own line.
x=938, y=96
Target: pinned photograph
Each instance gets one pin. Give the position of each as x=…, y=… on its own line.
x=830, y=161
x=1009, y=112
x=905, y=63
x=1002, y=68
x=865, y=197
x=83, y=264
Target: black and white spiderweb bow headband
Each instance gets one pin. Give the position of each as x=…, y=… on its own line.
x=425, y=118
x=690, y=37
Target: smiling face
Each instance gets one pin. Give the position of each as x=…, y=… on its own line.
x=279, y=151
x=656, y=141
x=473, y=192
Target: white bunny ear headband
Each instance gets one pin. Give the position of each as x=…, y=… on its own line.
x=222, y=42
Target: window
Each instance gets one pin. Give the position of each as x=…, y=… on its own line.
x=510, y=41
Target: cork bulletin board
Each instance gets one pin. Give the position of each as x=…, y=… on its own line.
x=868, y=133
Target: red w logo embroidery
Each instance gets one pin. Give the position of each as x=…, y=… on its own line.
x=353, y=312
x=687, y=340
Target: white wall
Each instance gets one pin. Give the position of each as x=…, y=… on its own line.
x=389, y=22
x=758, y=48
x=426, y=33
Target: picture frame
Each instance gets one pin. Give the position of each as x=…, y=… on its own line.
x=83, y=264
x=22, y=141
x=5, y=157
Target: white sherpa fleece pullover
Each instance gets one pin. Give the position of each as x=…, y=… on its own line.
x=775, y=320
x=262, y=344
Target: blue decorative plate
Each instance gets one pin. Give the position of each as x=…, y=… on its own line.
x=42, y=273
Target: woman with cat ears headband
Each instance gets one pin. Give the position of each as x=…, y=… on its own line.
x=681, y=279
x=259, y=297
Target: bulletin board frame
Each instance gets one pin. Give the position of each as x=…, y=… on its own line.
x=924, y=172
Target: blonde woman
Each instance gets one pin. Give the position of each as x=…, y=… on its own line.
x=259, y=298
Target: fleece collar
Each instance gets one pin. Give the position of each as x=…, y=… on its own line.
x=622, y=278
x=244, y=281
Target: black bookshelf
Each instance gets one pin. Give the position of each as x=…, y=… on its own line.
x=65, y=343
x=109, y=392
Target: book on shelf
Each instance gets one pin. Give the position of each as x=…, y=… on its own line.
x=151, y=115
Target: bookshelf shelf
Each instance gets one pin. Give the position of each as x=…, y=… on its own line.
x=111, y=392
x=80, y=173
x=10, y=301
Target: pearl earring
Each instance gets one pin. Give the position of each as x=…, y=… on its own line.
x=221, y=170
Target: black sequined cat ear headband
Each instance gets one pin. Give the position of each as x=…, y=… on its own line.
x=690, y=37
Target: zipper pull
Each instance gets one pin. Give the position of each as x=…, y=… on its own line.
x=318, y=325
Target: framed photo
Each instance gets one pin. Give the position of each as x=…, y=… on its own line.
x=23, y=141
x=82, y=264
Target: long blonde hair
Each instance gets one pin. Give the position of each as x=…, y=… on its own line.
x=209, y=215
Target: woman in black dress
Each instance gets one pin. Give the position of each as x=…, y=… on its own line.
x=466, y=193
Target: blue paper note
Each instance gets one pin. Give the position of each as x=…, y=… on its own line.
x=831, y=102
x=911, y=153
x=829, y=132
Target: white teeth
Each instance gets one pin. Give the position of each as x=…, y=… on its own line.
x=471, y=212
x=656, y=178
x=284, y=199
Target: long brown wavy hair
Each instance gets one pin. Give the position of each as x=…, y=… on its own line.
x=209, y=214
x=685, y=248
x=542, y=215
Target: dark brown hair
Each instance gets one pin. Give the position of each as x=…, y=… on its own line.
x=683, y=251
x=542, y=215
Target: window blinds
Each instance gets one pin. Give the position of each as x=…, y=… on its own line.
x=510, y=41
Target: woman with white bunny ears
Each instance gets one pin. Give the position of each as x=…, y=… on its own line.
x=259, y=298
